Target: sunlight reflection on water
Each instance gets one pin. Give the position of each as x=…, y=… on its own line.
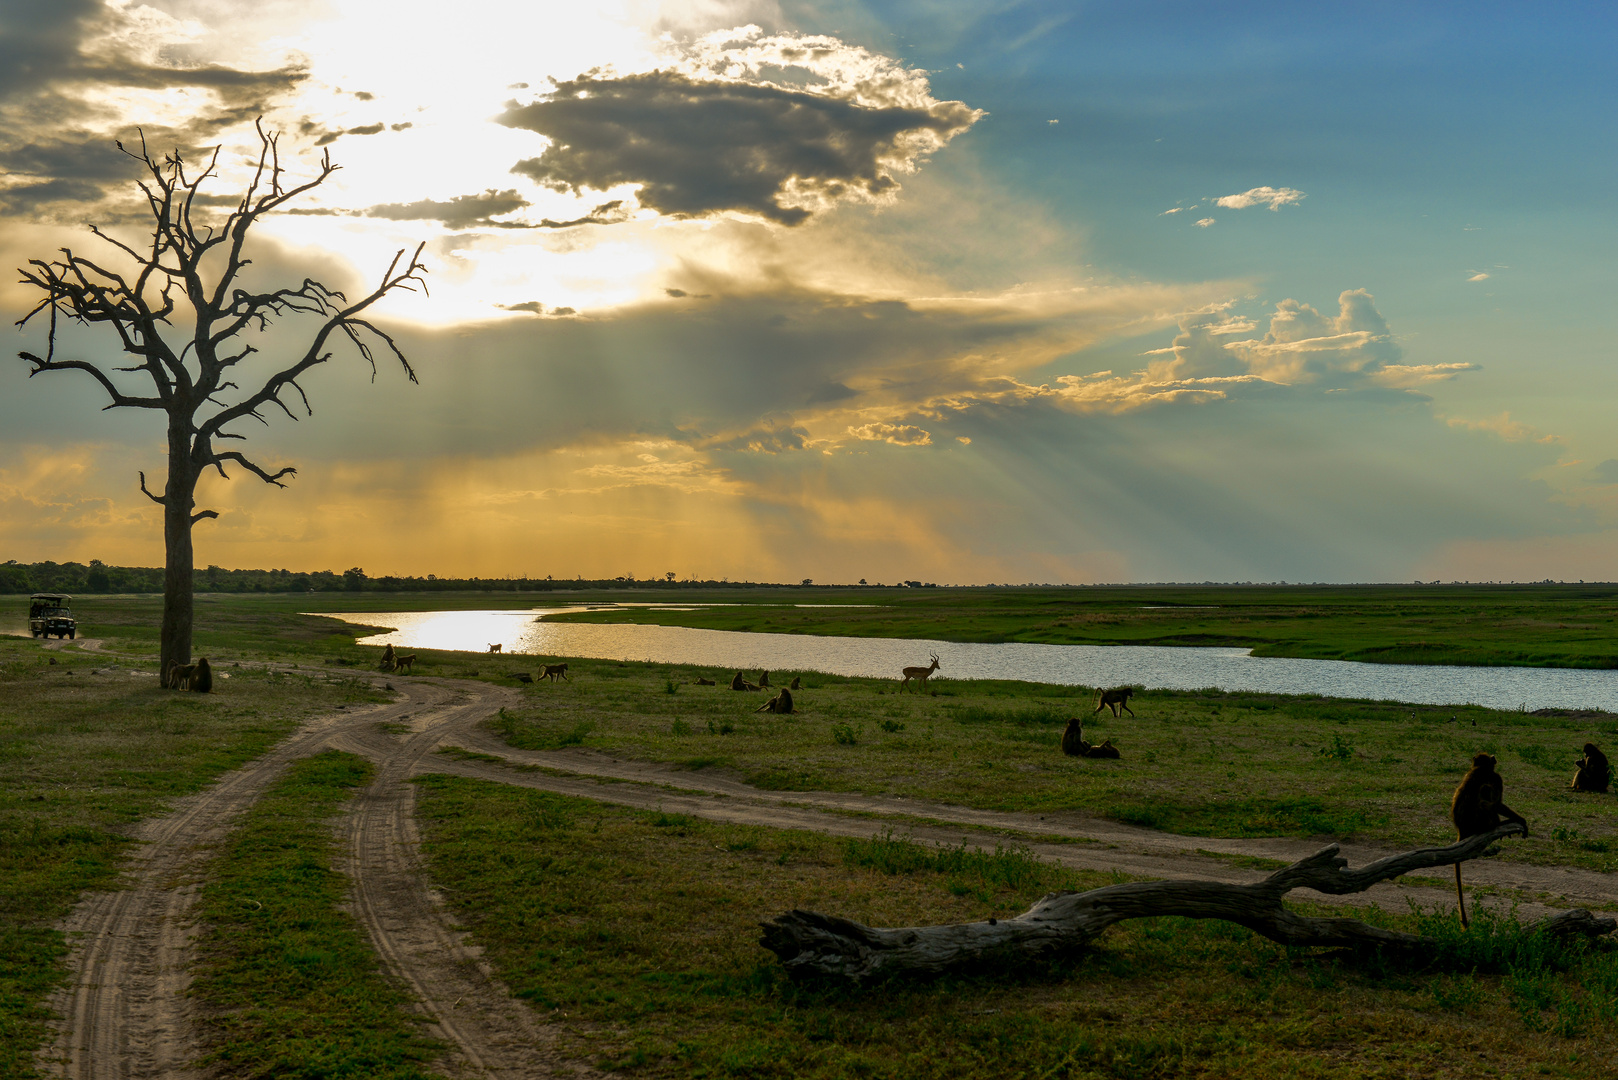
x=1083, y=665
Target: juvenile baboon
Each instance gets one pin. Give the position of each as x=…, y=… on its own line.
x=202, y=678
x=1478, y=807
x=495, y=648
x=763, y=679
x=920, y=674
x=780, y=703
x=797, y=683
x=553, y=671
x=404, y=661
x=1594, y=773
x=739, y=683
x=387, y=663
x=1114, y=698
x=1105, y=750
x=180, y=676
x=705, y=682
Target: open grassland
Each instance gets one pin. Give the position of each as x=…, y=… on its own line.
x=1532, y=625
x=1202, y=763
x=639, y=932
x=288, y=984
x=88, y=746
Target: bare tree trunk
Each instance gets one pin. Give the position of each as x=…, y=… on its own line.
x=179, y=496
x=809, y=943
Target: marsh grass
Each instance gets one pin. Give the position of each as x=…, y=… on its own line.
x=83, y=756
x=639, y=931
x=288, y=984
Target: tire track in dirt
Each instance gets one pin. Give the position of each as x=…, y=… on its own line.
x=123, y=1012
x=1090, y=843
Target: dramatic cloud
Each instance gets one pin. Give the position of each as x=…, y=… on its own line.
x=461, y=212
x=699, y=142
x=1274, y=198
x=897, y=434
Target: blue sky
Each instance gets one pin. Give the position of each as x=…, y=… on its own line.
x=1019, y=292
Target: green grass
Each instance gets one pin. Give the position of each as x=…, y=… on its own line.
x=288, y=984
x=638, y=931
x=84, y=756
x=1203, y=763
x=1532, y=625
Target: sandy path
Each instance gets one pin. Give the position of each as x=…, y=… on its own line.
x=1090, y=843
x=124, y=1012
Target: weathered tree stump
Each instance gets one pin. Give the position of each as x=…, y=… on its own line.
x=809, y=943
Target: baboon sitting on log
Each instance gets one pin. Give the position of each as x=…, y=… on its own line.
x=780, y=703
x=387, y=663
x=739, y=683
x=1477, y=808
x=1594, y=773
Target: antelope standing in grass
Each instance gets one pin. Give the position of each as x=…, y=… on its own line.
x=919, y=674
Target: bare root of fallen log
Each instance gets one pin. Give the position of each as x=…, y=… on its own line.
x=809, y=943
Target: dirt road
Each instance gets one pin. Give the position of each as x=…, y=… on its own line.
x=123, y=1013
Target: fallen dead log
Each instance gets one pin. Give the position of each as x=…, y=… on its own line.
x=810, y=944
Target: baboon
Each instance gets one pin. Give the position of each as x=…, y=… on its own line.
x=1105, y=750
x=180, y=676
x=1115, y=698
x=495, y=648
x=739, y=683
x=1478, y=807
x=797, y=683
x=202, y=679
x=1594, y=773
x=763, y=680
x=920, y=674
x=780, y=703
x=1073, y=744
x=705, y=682
x=404, y=661
x=553, y=670
x=387, y=658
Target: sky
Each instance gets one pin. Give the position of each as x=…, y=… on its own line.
x=965, y=292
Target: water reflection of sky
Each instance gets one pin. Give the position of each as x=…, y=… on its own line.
x=1083, y=665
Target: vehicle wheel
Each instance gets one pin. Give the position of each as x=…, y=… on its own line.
x=71, y=634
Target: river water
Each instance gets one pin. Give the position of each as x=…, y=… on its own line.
x=1156, y=667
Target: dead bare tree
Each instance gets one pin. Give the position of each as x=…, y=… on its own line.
x=812, y=944
x=193, y=383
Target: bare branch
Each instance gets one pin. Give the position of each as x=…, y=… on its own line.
x=232, y=455
x=159, y=501
x=119, y=398
x=201, y=515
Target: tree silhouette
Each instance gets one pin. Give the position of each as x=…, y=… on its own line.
x=194, y=384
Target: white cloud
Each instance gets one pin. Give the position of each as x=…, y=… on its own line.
x=1479, y=276
x=1274, y=198
x=1203, y=223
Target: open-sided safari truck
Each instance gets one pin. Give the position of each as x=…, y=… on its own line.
x=48, y=614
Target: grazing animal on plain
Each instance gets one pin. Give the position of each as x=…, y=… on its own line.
x=202, y=678
x=780, y=703
x=1478, y=807
x=523, y=677
x=554, y=672
x=495, y=648
x=387, y=663
x=705, y=682
x=404, y=662
x=920, y=674
x=1113, y=699
x=739, y=683
x=1594, y=773
x=763, y=679
x=797, y=683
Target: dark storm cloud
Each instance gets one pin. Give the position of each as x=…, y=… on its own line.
x=699, y=148
x=479, y=212
x=28, y=197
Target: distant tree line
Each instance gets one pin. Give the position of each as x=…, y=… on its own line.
x=98, y=577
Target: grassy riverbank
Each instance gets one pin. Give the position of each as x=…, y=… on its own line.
x=88, y=747
x=638, y=932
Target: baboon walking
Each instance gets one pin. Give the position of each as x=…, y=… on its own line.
x=1478, y=807
x=404, y=662
x=554, y=672
x=1113, y=699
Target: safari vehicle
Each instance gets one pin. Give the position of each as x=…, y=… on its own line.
x=48, y=614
